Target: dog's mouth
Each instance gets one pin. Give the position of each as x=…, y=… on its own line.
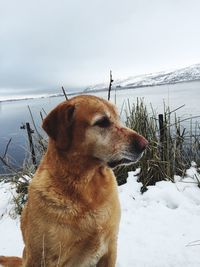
x=126, y=160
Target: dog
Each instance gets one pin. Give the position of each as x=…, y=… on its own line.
x=72, y=215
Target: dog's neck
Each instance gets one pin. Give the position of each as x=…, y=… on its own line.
x=64, y=163
x=77, y=177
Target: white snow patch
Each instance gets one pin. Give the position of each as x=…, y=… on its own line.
x=11, y=243
x=158, y=229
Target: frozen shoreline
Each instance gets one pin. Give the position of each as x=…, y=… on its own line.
x=27, y=97
x=94, y=90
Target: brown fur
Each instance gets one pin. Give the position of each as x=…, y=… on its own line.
x=10, y=261
x=72, y=215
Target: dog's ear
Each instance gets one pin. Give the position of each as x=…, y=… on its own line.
x=58, y=125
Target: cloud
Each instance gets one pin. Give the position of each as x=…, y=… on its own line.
x=75, y=43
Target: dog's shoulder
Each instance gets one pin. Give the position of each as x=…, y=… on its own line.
x=73, y=198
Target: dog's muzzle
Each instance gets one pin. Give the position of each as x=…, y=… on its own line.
x=132, y=154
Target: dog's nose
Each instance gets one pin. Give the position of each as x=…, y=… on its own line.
x=139, y=144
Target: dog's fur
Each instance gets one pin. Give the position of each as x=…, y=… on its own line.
x=72, y=215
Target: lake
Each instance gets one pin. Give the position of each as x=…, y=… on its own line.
x=14, y=113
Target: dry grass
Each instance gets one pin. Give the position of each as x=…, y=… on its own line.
x=171, y=150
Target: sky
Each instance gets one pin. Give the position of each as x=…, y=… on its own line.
x=75, y=43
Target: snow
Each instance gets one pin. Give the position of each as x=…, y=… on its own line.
x=190, y=73
x=11, y=243
x=158, y=229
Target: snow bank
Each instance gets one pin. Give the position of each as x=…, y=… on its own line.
x=11, y=243
x=160, y=228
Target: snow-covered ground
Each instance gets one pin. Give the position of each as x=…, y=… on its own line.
x=160, y=228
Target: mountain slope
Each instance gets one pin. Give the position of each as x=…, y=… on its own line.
x=191, y=73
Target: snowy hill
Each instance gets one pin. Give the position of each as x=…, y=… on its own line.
x=191, y=73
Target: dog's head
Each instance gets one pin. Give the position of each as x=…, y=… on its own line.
x=90, y=126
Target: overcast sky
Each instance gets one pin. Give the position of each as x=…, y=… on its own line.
x=49, y=43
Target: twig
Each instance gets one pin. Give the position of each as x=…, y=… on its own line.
x=122, y=107
x=175, y=110
x=44, y=111
x=63, y=89
x=33, y=121
x=7, y=165
x=193, y=243
x=110, y=85
x=172, y=124
x=43, y=263
x=6, y=150
x=41, y=116
x=29, y=132
x=58, y=263
x=2, y=159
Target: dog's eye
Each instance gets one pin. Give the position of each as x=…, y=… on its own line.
x=103, y=122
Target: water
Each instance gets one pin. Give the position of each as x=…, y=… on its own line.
x=13, y=114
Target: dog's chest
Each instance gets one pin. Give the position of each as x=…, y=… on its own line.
x=93, y=257
x=90, y=239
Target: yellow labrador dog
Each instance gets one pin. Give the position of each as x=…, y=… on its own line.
x=72, y=215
